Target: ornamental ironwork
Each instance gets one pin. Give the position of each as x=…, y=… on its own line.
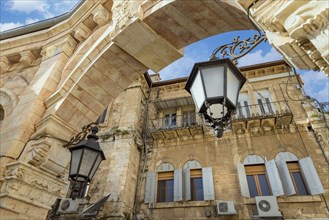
x=82, y=135
x=238, y=48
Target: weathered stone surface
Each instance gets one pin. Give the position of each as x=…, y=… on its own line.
x=70, y=84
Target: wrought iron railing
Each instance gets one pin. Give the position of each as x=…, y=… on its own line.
x=176, y=122
x=324, y=107
x=263, y=110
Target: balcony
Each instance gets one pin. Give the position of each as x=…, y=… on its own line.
x=176, y=126
x=265, y=116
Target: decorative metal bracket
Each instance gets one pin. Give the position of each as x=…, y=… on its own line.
x=82, y=135
x=238, y=48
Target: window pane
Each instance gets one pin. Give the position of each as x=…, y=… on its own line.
x=165, y=191
x=173, y=120
x=299, y=183
x=196, y=189
x=264, y=185
x=252, y=186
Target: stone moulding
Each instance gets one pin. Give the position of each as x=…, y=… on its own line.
x=23, y=174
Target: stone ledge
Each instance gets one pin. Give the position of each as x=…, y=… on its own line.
x=289, y=199
x=182, y=204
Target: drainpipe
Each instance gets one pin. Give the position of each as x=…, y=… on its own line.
x=144, y=150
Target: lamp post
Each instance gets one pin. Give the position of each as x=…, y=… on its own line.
x=86, y=156
x=215, y=84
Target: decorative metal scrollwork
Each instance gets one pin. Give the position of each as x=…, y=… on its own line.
x=82, y=135
x=238, y=48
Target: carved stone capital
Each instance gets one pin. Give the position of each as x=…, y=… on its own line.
x=82, y=32
x=101, y=15
x=66, y=45
x=4, y=64
x=27, y=58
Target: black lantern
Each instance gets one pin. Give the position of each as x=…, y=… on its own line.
x=215, y=87
x=86, y=157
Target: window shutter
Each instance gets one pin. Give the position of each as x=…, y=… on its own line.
x=288, y=185
x=187, y=184
x=150, y=188
x=311, y=176
x=274, y=178
x=178, y=191
x=208, y=184
x=243, y=180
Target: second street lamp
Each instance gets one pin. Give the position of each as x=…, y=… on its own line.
x=86, y=157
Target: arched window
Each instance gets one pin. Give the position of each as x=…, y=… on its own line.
x=298, y=177
x=165, y=183
x=259, y=177
x=198, y=182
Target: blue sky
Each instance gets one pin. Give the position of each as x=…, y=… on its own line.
x=14, y=13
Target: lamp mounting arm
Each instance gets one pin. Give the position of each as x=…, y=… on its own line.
x=238, y=48
x=82, y=135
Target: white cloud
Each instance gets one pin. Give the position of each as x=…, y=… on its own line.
x=10, y=25
x=316, y=84
x=259, y=57
x=31, y=20
x=46, y=8
x=28, y=6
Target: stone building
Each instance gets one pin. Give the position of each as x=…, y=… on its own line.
x=60, y=74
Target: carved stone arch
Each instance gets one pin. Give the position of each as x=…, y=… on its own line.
x=165, y=167
x=253, y=159
x=110, y=58
x=286, y=156
x=292, y=149
x=192, y=164
x=191, y=157
x=154, y=167
x=8, y=100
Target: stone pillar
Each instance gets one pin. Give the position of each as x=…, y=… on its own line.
x=21, y=123
x=121, y=143
x=33, y=166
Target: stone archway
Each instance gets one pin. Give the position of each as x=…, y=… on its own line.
x=152, y=39
x=86, y=62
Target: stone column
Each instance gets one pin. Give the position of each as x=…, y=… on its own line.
x=33, y=167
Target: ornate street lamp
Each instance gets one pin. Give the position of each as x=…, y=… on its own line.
x=86, y=156
x=215, y=84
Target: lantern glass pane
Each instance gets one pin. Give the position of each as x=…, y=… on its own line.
x=213, y=77
x=75, y=160
x=95, y=167
x=197, y=91
x=88, y=160
x=216, y=110
x=233, y=84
